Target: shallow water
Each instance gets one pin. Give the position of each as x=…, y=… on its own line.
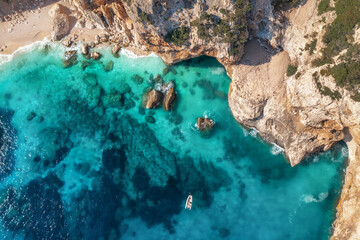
x=80, y=161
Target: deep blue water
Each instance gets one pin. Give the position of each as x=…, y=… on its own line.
x=79, y=160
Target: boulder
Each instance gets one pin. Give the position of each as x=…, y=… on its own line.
x=169, y=98
x=95, y=55
x=66, y=43
x=60, y=27
x=204, y=124
x=56, y=9
x=85, y=48
x=153, y=99
x=115, y=48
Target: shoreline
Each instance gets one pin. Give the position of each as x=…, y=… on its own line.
x=130, y=52
x=36, y=26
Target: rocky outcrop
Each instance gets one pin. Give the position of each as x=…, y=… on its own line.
x=204, y=124
x=153, y=99
x=175, y=30
x=95, y=55
x=347, y=224
x=169, y=98
x=115, y=48
x=85, y=49
x=259, y=97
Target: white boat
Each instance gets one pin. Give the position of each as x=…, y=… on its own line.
x=188, y=203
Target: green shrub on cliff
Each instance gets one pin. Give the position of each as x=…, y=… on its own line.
x=324, y=90
x=291, y=70
x=144, y=17
x=347, y=74
x=324, y=6
x=283, y=4
x=311, y=47
x=338, y=35
x=178, y=35
x=231, y=29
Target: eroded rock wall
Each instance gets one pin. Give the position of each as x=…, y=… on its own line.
x=147, y=25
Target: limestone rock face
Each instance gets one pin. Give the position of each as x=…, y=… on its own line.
x=147, y=24
x=259, y=98
x=347, y=222
x=60, y=27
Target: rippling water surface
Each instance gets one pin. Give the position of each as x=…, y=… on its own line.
x=79, y=160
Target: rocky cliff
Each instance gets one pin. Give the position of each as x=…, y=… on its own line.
x=175, y=30
x=278, y=88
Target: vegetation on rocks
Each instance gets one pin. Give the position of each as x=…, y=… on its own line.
x=143, y=16
x=230, y=30
x=178, y=35
x=324, y=90
x=339, y=37
x=284, y=4
x=291, y=70
x=339, y=33
x=311, y=47
x=347, y=74
x=324, y=6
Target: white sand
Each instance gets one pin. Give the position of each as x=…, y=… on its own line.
x=36, y=27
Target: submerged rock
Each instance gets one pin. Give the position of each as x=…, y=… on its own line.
x=150, y=119
x=31, y=116
x=93, y=96
x=112, y=100
x=70, y=58
x=153, y=99
x=204, y=124
x=169, y=98
x=85, y=64
x=109, y=66
x=137, y=79
x=123, y=88
x=128, y=104
x=90, y=79
x=95, y=55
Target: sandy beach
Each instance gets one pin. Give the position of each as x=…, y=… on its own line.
x=24, y=27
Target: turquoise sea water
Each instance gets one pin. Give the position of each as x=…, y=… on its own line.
x=79, y=160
